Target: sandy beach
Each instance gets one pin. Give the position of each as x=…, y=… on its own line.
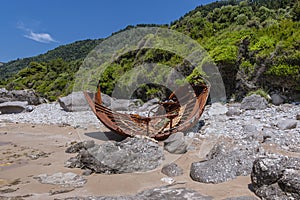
x=30, y=150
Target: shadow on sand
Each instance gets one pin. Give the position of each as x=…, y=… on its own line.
x=105, y=136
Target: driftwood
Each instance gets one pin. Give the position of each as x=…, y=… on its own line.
x=180, y=115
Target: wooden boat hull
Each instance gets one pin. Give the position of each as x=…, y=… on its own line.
x=178, y=118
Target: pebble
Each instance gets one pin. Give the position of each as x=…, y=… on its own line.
x=51, y=114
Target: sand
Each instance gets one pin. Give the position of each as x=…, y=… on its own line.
x=29, y=150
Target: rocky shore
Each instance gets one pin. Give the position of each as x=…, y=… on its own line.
x=251, y=139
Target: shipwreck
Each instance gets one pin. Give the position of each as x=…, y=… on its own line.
x=181, y=114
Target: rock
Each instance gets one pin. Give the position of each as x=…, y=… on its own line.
x=60, y=191
x=217, y=109
x=225, y=162
x=65, y=179
x=298, y=117
x=161, y=193
x=75, y=148
x=127, y=156
x=148, y=104
x=287, y=124
x=176, y=143
x=87, y=172
x=254, y=102
x=276, y=177
x=233, y=112
x=277, y=99
x=20, y=95
x=168, y=180
x=172, y=170
x=124, y=104
x=13, y=107
x=242, y=198
x=74, y=102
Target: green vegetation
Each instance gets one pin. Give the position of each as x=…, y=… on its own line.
x=257, y=41
x=261, y=93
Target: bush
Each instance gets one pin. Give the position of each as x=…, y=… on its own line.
x=261, y=93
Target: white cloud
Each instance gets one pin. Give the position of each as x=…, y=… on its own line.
x=40, y=37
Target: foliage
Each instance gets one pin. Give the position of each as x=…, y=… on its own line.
x=261, y=93
x=259, y=38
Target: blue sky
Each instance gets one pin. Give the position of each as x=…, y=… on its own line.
x=32, y=27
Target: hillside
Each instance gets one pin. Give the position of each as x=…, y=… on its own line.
x=69, y=52
x=254, y=43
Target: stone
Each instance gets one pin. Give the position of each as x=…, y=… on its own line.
x=161, y=193
x=298, y=117
x=233, y=112
x=172, y=170
x=130, y=155
x=168, y=180
x=277, y=99
x=75, y=148
x=74, y=102
x=224, y=162
x=254, y=102
x=242, y=198
x=276, y=177
x=124, y=104
x=287, y=124
x=30, y=96
x=176, y=143
x=64, y=179
x=217, y=109
x=13, y=107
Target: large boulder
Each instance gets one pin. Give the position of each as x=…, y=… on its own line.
x=21, y=95
x=254, y=102
x=224, y=162
x=276, y=177
x=76, y=102
x=127, y=156
x=13, y=107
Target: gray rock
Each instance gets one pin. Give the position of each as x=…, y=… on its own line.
x=13, y=107
x=234, y=111
x=242, y=198
x=254, y=102
x=277, y=99
x=125, y=104
x=176, y=143
x=276, y=177
x=172, y=170
x=225, y=162
x=65, y=179
x=80, y=145
x=20, y=95
x=217, y=109
x=162, y=193
x=287, y=124
x=74, y=102
x=127, y=156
